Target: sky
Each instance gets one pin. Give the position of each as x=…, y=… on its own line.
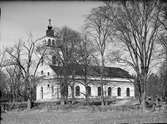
x=20, y=18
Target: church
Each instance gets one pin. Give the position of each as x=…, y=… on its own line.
x=117, y=82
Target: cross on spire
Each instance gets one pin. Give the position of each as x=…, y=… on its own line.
x=50, y=22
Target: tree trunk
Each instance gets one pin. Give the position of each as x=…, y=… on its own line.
x=144, y=77
x=165, y=78
x=29, y=101
x=139, y=92
x=64, y=91
x=143, y=101
x=72, y=93
x=62, y=100
x=102, y=95
x=29, y=104
x=28, y=91
x=101, y=81
x=86, y=86
x=86, y=95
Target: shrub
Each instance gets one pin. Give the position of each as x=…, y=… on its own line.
x=8, y=106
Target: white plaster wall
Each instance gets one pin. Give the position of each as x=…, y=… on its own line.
x=45, y=68
x=49, y=93
x=93, y=90
x=123, y=87
x=44, y=41
x=38, y=91
x=114, y=86
x=46, y=91
x=69, y=92
x=56, y=94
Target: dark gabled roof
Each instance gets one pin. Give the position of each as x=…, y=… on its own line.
x=94, y=71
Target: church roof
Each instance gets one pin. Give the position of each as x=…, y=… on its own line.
x=94, y=71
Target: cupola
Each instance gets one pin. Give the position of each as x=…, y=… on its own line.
x=50, y=31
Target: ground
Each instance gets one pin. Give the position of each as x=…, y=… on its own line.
x=81, y=117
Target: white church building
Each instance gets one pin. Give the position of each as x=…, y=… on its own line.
x=117, y=82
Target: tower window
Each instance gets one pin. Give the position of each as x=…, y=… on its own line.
x=49, y=42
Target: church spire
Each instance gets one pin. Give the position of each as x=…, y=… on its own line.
x=50, y=31
x=50, y=25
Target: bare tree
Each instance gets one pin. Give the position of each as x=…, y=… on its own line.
x=66, y=53
x=3, y=86
x=163, y=78
x=163, y=41
x=15, y=85
x=2, y=59
x=136, y=25
x=24, y=56
x=2, y=75
x=10, y=78
x=85, y=62
x=99, y=31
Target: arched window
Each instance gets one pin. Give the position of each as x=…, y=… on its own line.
x=41, y=92
x=49, y=42
x=89, y=90
x=109, y=91
x=127, y=91
x=99, y=91
x=77, y=91
x=119, y=91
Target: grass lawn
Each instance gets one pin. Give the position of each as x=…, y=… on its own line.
x=81, y=117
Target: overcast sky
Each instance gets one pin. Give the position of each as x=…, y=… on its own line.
x=20, y=18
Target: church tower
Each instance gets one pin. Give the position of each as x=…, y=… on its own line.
x=45, y=45
x=50, y=37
